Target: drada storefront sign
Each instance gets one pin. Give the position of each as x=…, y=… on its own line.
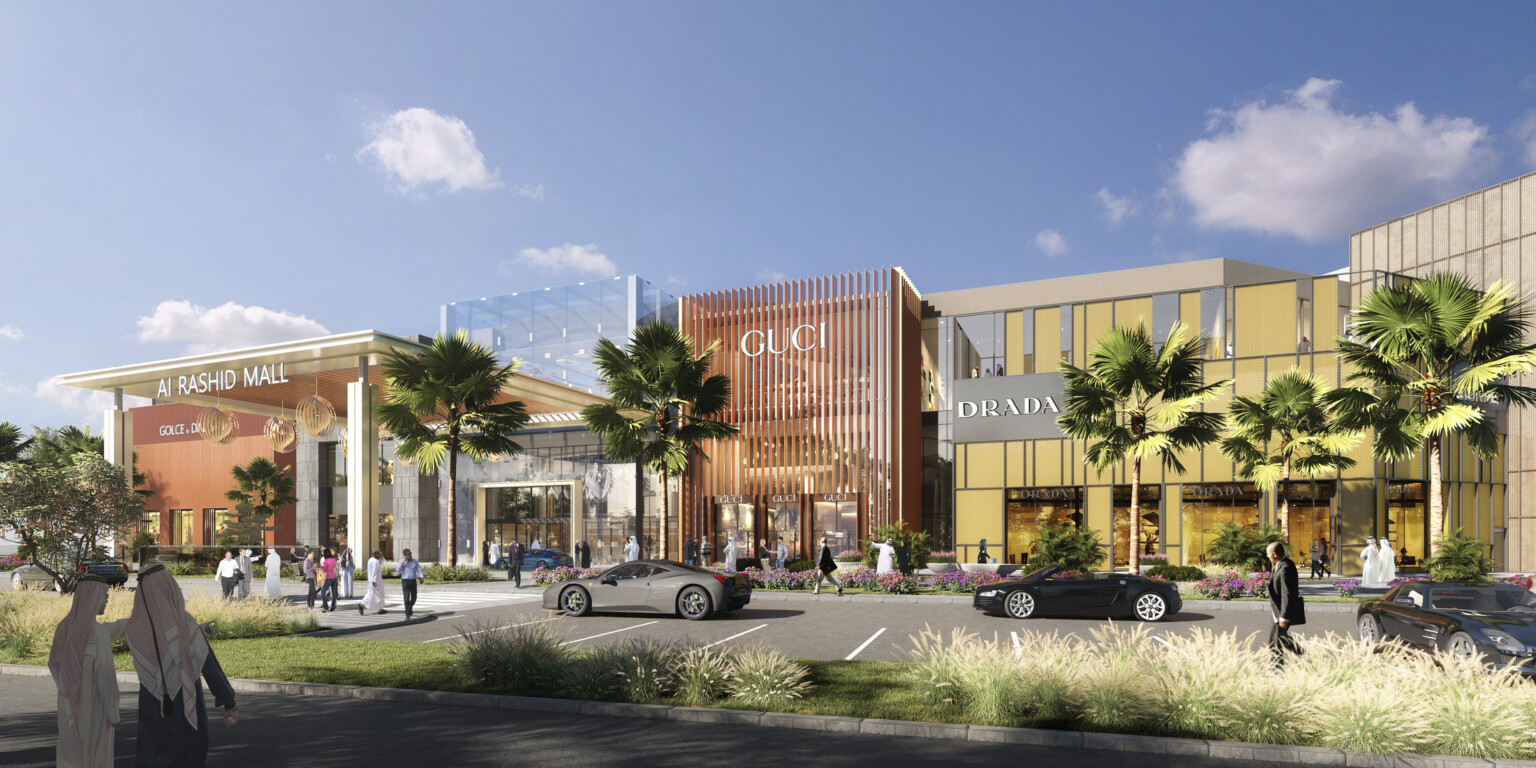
x=221, y=381
x=1008, y=408
x=801, y=338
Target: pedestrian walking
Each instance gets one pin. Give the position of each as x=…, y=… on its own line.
x=81, y=663
x=329, y=599
x=586, y=555
x=515, y=563
x=274, y=573
x=347, y=564
x=780, y=554
x=373, y=600
x=228, y=573
x=904, y=558
x=246, y=573
x=495, y=554
x=631, y=550
x=730, y=554
x=707, y=552
x=981, y=553
x=1325, y=558
x=764, y=557
x=1285, y=603
x=311, y=572
x=170, y=652
x=410, y=576
x=825, y=565
x=691, y=551
x=1368, y=568
x=886, y=561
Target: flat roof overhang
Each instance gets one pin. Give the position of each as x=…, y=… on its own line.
x=320, y=366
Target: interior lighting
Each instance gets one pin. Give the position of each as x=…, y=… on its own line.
x=316, y=415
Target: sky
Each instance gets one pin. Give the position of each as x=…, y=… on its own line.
x=186, y=177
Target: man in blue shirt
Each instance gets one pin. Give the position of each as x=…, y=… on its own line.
x=410, y=573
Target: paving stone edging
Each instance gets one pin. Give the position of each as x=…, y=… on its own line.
x=1209, y=605
x=1160, y=745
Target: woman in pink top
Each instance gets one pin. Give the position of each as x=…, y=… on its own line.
x=328, y=597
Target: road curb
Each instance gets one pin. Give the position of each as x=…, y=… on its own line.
x=1207, y=605
x=1109, y=742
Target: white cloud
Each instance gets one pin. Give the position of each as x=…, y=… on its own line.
x=420, y=148
x=81, y=400
x=530, y=191
x=1116, y=208
x=230, y=326
x=1306, y=168
x=583, y=259
x=766, y=275
x=1050, y=242
x=11, y=333
x=675, y=281
x=1524, y=130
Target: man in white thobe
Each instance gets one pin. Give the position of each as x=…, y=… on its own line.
x=631, y=550
x=494, y=553
x=887, y=552
x=1368, y=568
x=374, y=599
x=274, y=574
x=1386, y=562
x=730, y=555
x=81, y=663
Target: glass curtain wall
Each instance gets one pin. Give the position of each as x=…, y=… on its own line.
x=1213, y=323
x=734, y=520
x=1310, y=516
x=783, y=519
x=1030, y=509
x=1408, y=523
x=214, y=519
x=181, y=527
x=980, y=349
x=529, y=514
x=838, y=522
x=1207, y=506
x=1150, y=501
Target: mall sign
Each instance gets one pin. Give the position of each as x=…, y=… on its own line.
x=1008, y=408
x=222, y=381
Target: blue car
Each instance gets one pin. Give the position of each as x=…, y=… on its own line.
x=534, y=558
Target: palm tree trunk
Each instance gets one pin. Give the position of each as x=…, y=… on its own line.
x=1285, y=500
x=453, y=493
x=640, y=505
x=666, y=501
x=1134, y=561
x=1436, y=502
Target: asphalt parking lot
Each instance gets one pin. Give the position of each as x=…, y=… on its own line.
x=828, y=627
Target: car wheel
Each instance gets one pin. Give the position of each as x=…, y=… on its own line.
x=57, y=588
x=693, y=603
x=1020, y=604
x=1461, y=646
x=1151, y=606
x=575, y=602
x=16, y=582
x=1370, y=630
x=545, y=565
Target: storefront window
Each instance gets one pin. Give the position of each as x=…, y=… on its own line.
x=540, y=513
x=1030, y=509
x=783, y=519
x=1408, y=523
x=838, y=521
x=734, y=519
x=335, y=533
x=1309, y=517
x=980, y=349
x=1213, y=323
x=214, y=520
x=1149, y=503
x=150, y=523
x=182, y=527
x=1207, y=506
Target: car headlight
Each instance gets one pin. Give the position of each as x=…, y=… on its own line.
x=988, y=593
x=1504, y=641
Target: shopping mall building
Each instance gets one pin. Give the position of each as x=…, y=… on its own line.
x=861, y=402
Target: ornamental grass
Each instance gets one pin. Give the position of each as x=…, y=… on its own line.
x=1342, y=693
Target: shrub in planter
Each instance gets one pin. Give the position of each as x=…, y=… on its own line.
x=1257, y=586
x=1519, y=580
x=1176, y=572
x=1077, y=548
x=963, y=581
x=796, y=566
x=11, y=562
x=857, y=577
x=942, y=556
x=1223, y=587
x=1461, y=558
x=743, y=563
x=546, y=576
x=442, y=573
x=897, y=583
x=518, y=660
x=1346, y=586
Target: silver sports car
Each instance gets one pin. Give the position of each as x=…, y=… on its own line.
x=652, y=586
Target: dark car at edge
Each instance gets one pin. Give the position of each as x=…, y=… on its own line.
x=1057, y=591
x=1496, y=622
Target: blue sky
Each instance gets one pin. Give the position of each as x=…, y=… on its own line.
x=185, y=177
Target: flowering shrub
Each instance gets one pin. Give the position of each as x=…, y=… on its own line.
x=545, y=576
x=897, y=583
x=942, y=556
x=1153, y=559
x=1068, y=574
x=1405, y=580
x=1257, y=586
x=1223, y=587
x=848, y=556
x=11, y=562
x=1519, y=580
x=963, y=581
x=1346, y=586
x=858, y=577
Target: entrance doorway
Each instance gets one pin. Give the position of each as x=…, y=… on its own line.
x=1408, y=523
x=838, y=521
x=531, y=514
x=733, y=519
x=783, y=518
x=1031, y=509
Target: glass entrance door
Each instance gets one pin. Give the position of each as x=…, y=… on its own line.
x=838, y=521
x=1408, y=523
x=784, y=521
x=733, y=520
x=538, y=516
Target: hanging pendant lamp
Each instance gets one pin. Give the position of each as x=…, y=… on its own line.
x=217, y=425
x=316, y=415
x=281, y=433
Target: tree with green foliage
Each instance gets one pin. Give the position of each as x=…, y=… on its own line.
x=1426, y=357
x=64, y=516
x=1135, y=401
x=1285, y=429
x=261, y=489
x=662, y=405
x=1242, y=546
x=1459, y=557
x=57, y=446
x=446, y=401
x=12, y=446
x=919, y=543
x=1075, y=546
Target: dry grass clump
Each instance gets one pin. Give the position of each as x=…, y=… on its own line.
x=763, y=677
x=700, y=676
x=1342, y=693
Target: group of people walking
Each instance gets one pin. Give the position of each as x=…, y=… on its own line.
x=170, y=653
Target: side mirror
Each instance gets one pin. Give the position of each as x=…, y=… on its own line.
x=611, y=582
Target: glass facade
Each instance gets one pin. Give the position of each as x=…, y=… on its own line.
x=1149, y=504
x=528, y=514
x=1408, y=523
x=1029, y=510
x=554, y=329
x=1207, y=506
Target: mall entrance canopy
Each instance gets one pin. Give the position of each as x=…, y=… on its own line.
x=346, y=370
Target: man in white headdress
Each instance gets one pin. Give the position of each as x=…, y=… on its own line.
x=730, y=555
x=493, y=553
x=537, y=545
x=374, y=599
x=245, y=572
x=1386, y=562
x=346, y=564
x=1368, y=573
x=884, y=564
x=81, y=663
x=631, y=550
x=274, y=574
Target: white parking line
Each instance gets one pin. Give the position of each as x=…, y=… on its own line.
x=605, y=634
x=1015, y=640
x=865, y=645
x=493, y=629
x=733, y=637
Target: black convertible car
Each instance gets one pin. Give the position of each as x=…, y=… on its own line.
x=1494, y=621
x=1055, y=590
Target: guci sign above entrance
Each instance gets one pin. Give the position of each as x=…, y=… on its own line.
x=801, y=338
x=1008, y=408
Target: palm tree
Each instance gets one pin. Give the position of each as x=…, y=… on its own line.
x=11, y=444
x=446, y=401
x=661, y=406
x=1426, y=356
x=56, y=447
x=1286, y=429
x=261, y=488
x=1135, y=401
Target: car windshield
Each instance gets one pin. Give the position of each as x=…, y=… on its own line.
x=1490, y=598
x=686, y=567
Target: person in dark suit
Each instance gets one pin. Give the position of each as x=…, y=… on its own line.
x=1285, y=604
x=586, y=555
x=515, y=563
x=691, y=552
